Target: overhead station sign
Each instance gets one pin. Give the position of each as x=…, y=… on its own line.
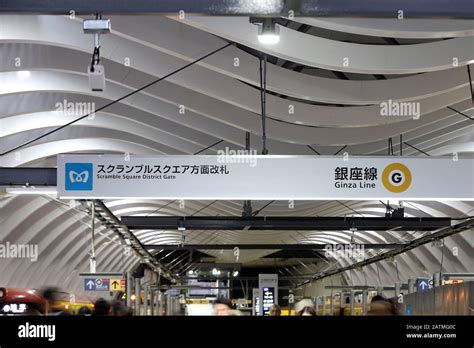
x=264, y=177
x=104, y=284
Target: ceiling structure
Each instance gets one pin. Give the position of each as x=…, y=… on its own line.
x=333, y=74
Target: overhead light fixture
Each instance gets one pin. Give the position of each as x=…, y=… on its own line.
x=31, y=190
x=268, y=31
x=235, y=273
x=215, y=271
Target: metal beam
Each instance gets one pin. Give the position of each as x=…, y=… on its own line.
x=107, y=218
x=275, y=8
x=266, y=246
x=442, y=233
x=28, y=176
x=284, y=223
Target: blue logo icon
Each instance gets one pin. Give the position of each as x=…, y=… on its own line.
x=79, y=176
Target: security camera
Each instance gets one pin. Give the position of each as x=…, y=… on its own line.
x=96, y=26
x=96, y=74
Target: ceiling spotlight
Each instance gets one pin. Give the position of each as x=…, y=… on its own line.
x=214, y=271
x=235, y=273
x=268, y=32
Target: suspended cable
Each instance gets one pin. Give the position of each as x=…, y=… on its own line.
x=460, y=113
x=470, y=81
x=417, y=149
x=342, y=148
x=313, y=149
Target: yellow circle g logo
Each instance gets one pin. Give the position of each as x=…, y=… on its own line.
x=396, y=177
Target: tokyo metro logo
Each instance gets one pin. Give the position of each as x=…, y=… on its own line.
x=396, y=177
x=79, y=176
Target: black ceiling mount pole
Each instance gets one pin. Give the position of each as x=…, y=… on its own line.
x=266, y=246
x=285, y=223
x=263, y=101
x=247, y=208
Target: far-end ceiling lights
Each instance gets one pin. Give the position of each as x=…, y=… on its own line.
x=268, y=31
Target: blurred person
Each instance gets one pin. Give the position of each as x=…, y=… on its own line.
x=381, y=306
x=275, y=311
x=307, y=312
x=223, y=307
x=304, y=307
x=52, y=297
x=84, y=311
x=31, y=311
x=120, y=310
x=101, y=308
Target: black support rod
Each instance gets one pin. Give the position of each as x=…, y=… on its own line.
x=284, y=223
x=266, y=246
x=28, y=176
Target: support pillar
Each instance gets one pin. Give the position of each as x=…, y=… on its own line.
x=137, y=296
x=129, y=289
x=365, y=294
x=411, y=286
x=352, y=304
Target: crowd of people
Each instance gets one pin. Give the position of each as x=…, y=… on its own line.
x=222, y=307
x=378, y=306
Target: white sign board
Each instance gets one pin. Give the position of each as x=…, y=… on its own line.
x=264, y=177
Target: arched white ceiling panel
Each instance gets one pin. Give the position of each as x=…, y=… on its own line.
x=231, y=91
x=170, y=42
x=341, y=56
x=54, y=81
x=406, y=28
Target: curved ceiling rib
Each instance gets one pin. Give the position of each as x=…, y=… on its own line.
x=393, y=27
x=239, y=95
x=53, y=81
x=340, y=56
x=236, y=93
x=117, y=47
